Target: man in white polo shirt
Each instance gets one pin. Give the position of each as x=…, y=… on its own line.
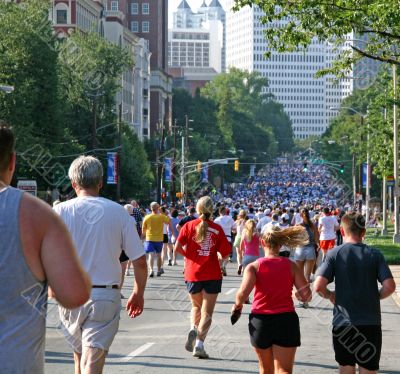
x=100, y=229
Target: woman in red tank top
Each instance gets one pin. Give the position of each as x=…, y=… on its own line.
x=273, y=323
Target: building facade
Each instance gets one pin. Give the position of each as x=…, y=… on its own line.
x=149, y=20
x=307, y=100
x=108, y=19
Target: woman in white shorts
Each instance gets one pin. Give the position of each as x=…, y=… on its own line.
x=305, y=256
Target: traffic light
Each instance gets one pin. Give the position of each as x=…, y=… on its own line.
x=236, y=165
x=341, y=168
x=305, y=167
x=198, y=167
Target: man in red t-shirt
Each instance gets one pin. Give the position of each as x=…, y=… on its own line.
x=205, y=243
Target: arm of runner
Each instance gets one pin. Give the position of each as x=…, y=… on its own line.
x=321, y=287
x=179, y=249
x=303, y=293
x=388, y=287
x=135, y=303
x=67, y=280
x=248, y=282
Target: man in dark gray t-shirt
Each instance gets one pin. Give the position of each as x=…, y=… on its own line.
x=356, y=270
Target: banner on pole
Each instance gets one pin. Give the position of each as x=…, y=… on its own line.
x=252, y=170
x=112, y=168
x=364, y=175
x=204, y=174
x=168, y=169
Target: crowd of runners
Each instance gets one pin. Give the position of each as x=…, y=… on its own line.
x=289, y=231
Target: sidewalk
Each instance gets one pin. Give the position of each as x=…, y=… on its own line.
x=396, y=275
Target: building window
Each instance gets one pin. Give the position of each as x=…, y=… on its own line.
x=135, y=26
x=62, y=16
x=114, y=5
x=145, y=8
x=145, y=26
x=134, y=8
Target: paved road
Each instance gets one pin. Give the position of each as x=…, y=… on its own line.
x=153, y=343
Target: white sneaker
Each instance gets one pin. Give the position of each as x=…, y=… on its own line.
x=200, y=353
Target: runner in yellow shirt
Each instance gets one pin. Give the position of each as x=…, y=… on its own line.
x=153, y=233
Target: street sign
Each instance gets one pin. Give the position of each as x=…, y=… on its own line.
x=29, y=186
x=216, y=161
x=390, y=180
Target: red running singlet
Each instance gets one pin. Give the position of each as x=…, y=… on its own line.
x=274, y=285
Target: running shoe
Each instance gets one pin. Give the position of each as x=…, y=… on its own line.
x=174, y=263
x=162, y=271
x=169, y=263
x=189, y=345
x=240, y=269
x=200, y=353
x=159, y=273
x=151, y=275
x=127, y=273
x=224, y=271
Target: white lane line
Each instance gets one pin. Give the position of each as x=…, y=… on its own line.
x=232, y=290
x=137, y=352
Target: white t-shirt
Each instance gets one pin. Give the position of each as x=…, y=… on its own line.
x=262, y=222
x=327, y=227
x=227, y=223
x=100, y=230
x=297, y=220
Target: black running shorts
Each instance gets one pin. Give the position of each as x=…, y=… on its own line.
x=210, y=286
x=358, y=345
x=274, y=329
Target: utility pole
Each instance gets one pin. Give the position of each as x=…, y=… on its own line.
x=384, y=195
x=353, y=171
x=118, y=193
x=94, y=124
x=396, y=236
x=159, y=151
x=368, y=187
x=173, y=179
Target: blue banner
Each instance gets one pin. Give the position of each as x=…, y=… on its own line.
x=168, y=169
x=204, y=174
x=364, y=175
x=112, y=167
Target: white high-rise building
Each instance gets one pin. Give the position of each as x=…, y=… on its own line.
x=197, y=40
x=307, y=100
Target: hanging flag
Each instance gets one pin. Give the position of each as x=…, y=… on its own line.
x=204, y=174
x=252, y=170
x=167, y=167
x=364, y=175
x=112, y=167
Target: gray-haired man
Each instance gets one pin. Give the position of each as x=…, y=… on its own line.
x=101, y=229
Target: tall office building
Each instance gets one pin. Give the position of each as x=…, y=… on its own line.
x=307, y=100
x=196, y=45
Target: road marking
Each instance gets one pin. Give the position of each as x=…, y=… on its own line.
x=137, y=352
x=232, y=290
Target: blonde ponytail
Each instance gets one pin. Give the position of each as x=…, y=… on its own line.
x=275, y=237
x=205, y=208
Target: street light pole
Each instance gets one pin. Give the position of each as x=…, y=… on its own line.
x=119, y=152
x=396, y=236
x=368, y=187
x=384, y=194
